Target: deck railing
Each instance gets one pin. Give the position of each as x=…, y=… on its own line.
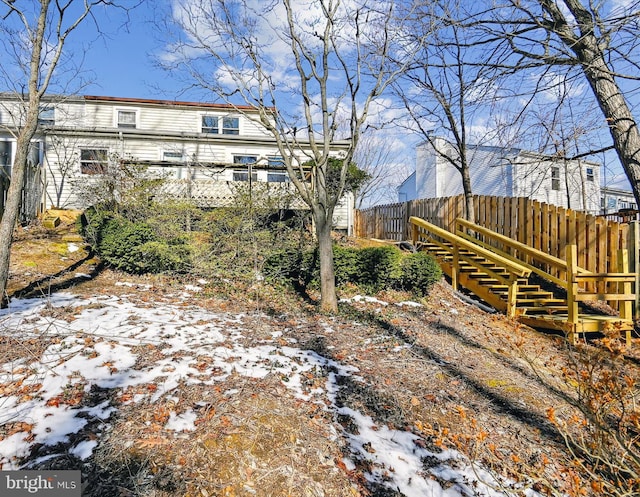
x=547, y=228
x=458, y=247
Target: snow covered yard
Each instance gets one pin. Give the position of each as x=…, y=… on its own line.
x=151, y=377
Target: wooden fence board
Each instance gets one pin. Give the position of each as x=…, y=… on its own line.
x=538, y=225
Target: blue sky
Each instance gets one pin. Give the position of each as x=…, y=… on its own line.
x=121, y=62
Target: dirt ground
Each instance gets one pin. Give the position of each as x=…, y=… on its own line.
x=458, y=376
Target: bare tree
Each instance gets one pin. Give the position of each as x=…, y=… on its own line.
x=310, y=69
x=35, y=35
x=596, y=39
x=445, y=89
x=380, y=155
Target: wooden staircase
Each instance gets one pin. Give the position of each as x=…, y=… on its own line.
x=539, y=290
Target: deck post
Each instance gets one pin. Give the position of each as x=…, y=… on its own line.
x=572, y=291
x=633, y=245
x=512, y=297
x=455, y=266
x=626, y=312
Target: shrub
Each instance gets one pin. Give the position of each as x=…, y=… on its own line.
x=158, y=257
x=418, y=272
x=119, y=241
x=346, y=265
x=377, y=267
x=372, y=269
x=133, y=246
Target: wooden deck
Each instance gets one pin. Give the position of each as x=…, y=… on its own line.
x=534, y=287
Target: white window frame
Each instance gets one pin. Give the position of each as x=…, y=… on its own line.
x=116, y=118
x=243, y=174
x=590, y=171
x=202, y=127
x=167, y=156
x=103, y=164
x=224, y=130
x=46, y=108
x=555, y=178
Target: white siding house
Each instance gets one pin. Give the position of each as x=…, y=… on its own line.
x=616, y=200
x=504, y=172
x=206, y=151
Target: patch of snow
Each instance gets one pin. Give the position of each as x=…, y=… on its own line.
x=185, y=421
x=72, y=247
x=84, y=449
x=409, y=303
x=365, y=298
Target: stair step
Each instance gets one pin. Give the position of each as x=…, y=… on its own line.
x=542, y=302
x=544, y=310
x=479, y=275
x=521, y=288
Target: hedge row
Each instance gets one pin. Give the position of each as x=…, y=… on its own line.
x=372, y=269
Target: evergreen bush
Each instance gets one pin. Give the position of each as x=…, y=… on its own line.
x=377, y=267
x=372, y=269
x=418, y=272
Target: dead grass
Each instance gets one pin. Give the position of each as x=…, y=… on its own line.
x=447, y=371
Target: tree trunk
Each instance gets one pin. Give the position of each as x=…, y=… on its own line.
x=589, y=52
x=469, y=208
x=329, y=299
x=14, y=196
x=622, y=125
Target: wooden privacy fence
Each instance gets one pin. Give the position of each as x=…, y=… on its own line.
x=544, y=227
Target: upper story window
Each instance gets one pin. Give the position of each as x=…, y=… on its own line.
x=590, y=175
x=220, y=125
x=230, y=126
x=46, y=115
x=126, y=118
x=94, y=160
x=555, y=178
x=210, y=124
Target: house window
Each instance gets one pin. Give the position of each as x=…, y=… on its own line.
x=126, y=119
x=230, y=126
x=590, y=174
x=5, y=153
x=46, y=115
x=555, y=178
x=210, y=124
x=94, y=160
x=277, y=177
x=172, y=156
x=275, y=162
x=243, y=174
x=245, y=159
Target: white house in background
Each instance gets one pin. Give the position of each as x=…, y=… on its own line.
x=616, y=200
x=206, y=151
x=504, y=172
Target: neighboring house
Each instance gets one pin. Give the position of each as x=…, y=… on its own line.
x=504, y=172
x=206, y=152
x=614, y=200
